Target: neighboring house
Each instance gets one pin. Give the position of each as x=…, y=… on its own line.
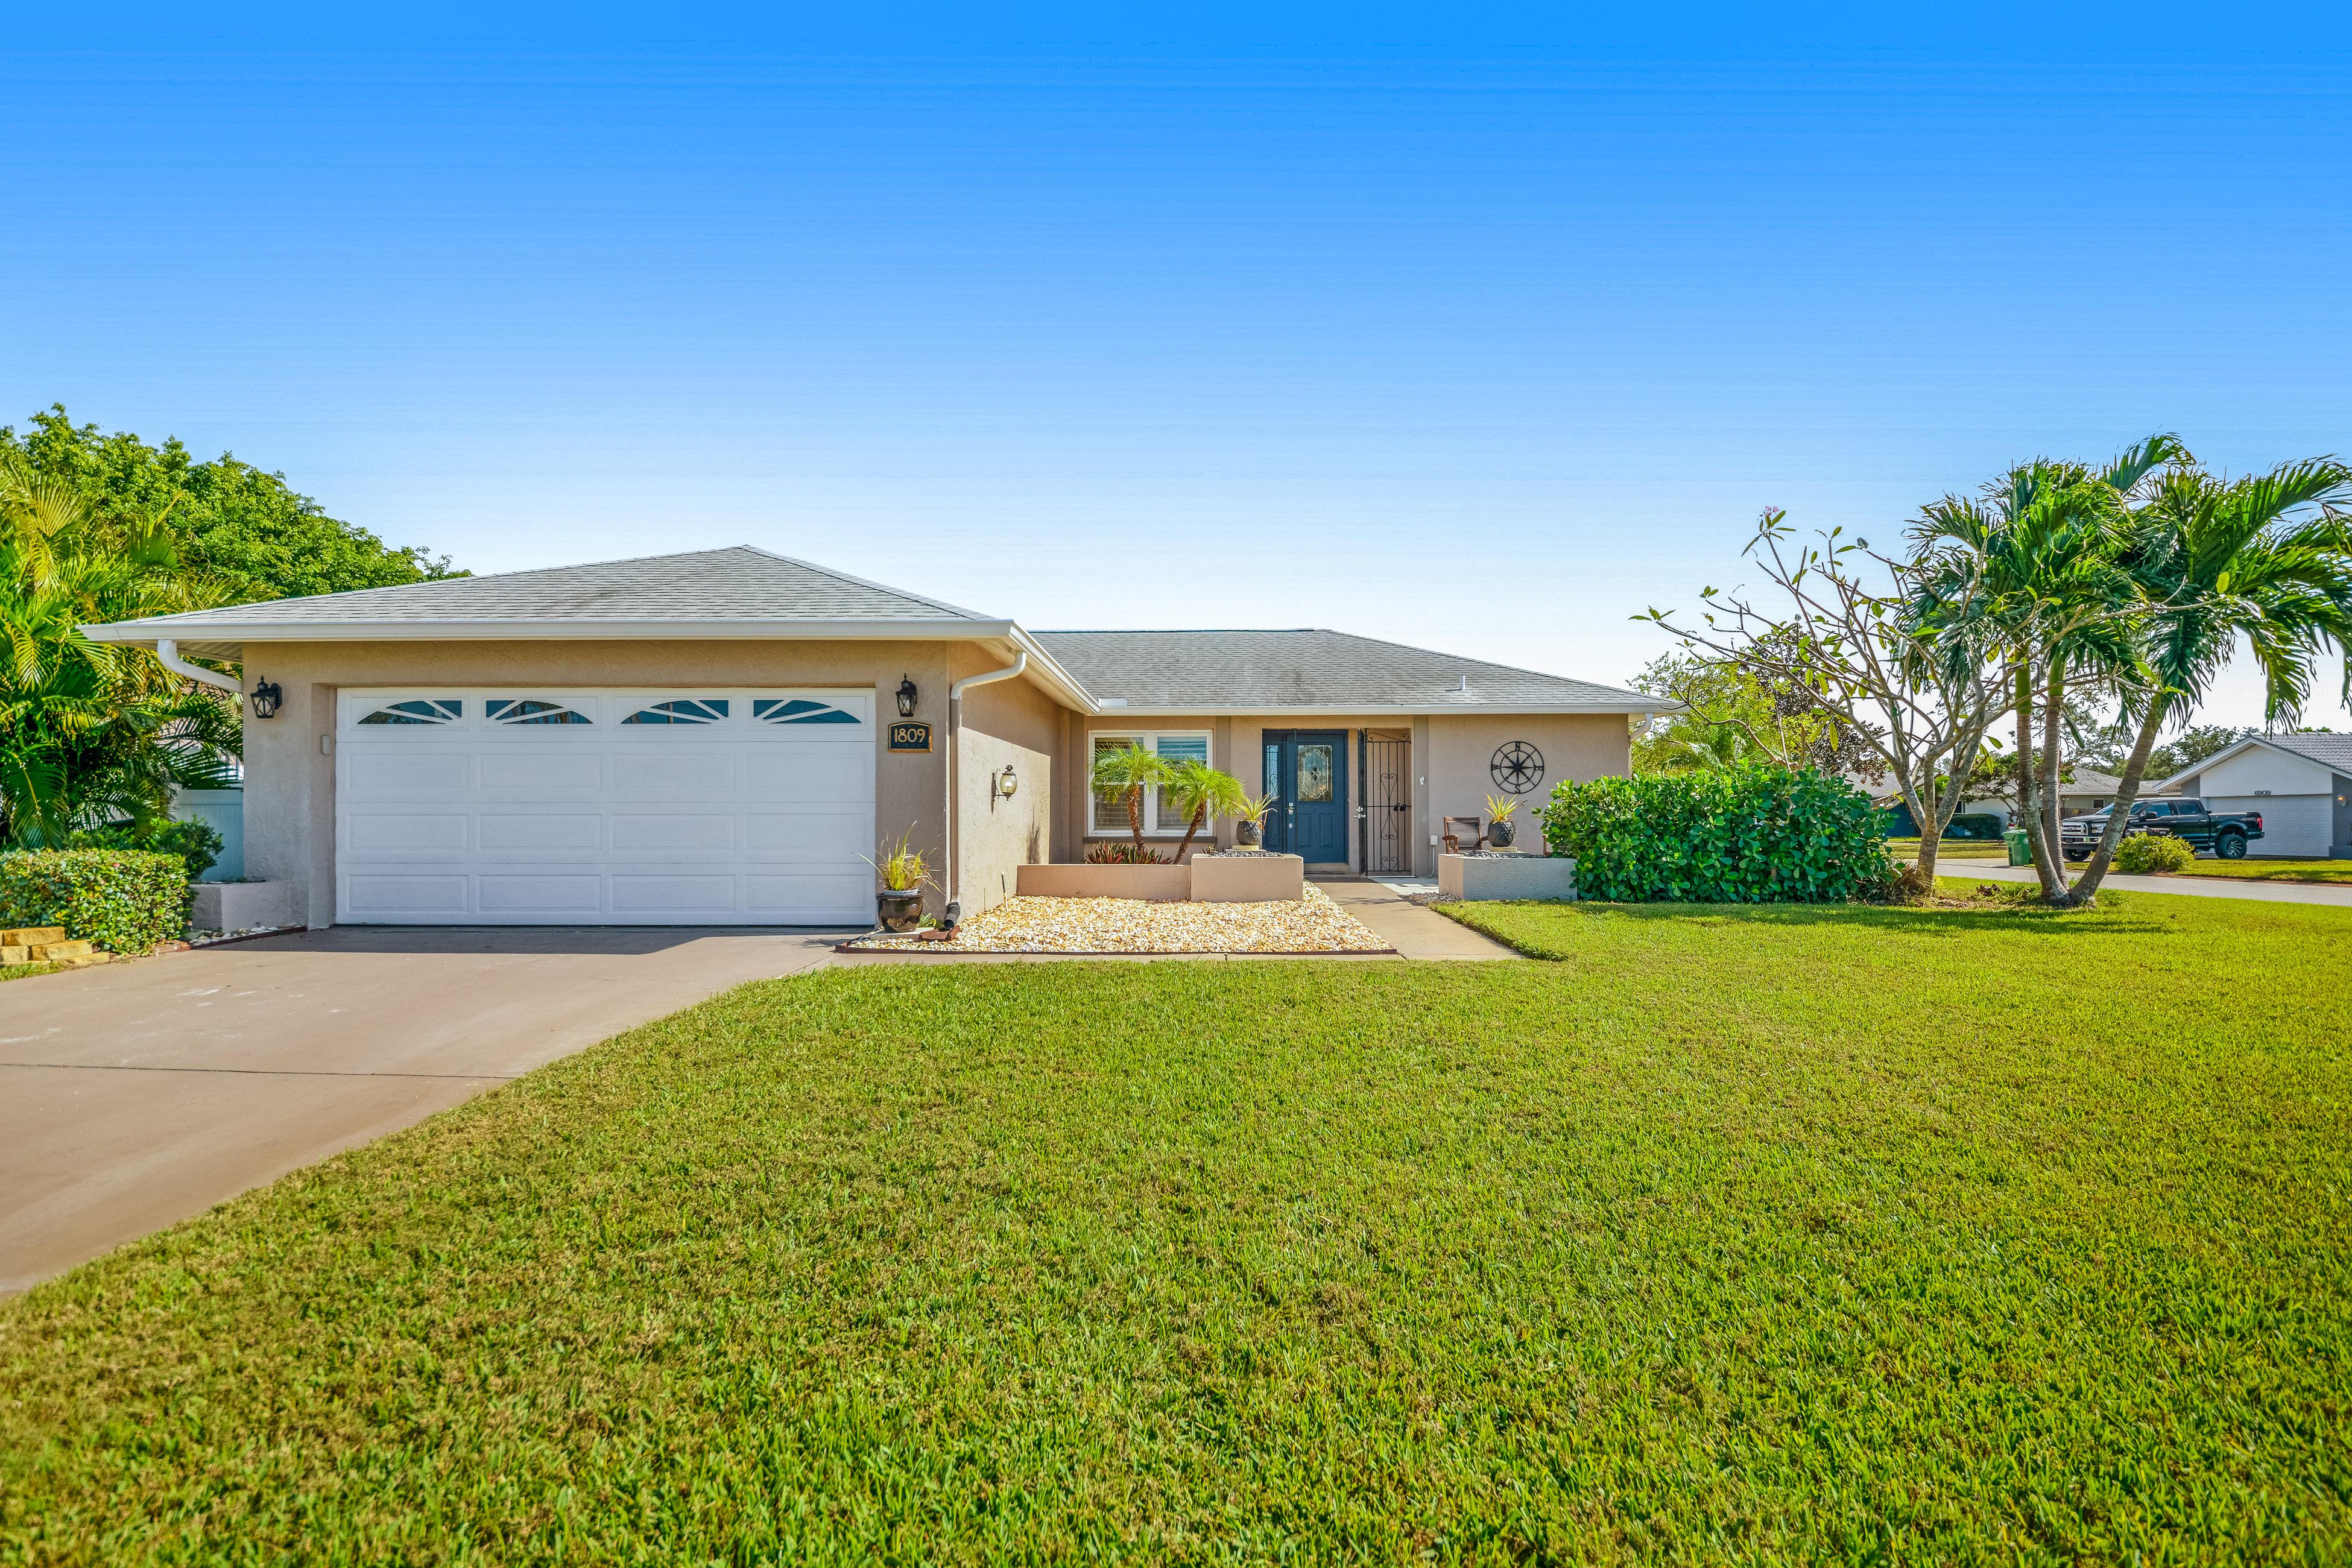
x=717, y=737
x=2301, y=784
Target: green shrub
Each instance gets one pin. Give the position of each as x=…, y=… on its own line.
x=1746, y=835
x=1974, y=825
x=197, y=843
x=125, y=900
x=2146, y=854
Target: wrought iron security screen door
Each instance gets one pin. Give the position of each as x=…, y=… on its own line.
x=1388, y=804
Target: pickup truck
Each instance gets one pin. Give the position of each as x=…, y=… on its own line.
x=2225, y=833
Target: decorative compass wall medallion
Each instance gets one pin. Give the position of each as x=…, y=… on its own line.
x=1517, y=767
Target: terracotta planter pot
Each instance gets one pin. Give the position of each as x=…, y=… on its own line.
x=899, y=911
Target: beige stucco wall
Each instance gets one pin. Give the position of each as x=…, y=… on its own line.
x=1005, y=723
x=289, y=798
x=1450, y=762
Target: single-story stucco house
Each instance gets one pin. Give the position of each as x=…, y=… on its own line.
x=2301, y=782
x=723, y=736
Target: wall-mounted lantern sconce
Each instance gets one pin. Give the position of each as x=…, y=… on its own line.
x=1006, y=782
x=265, y=699
x=906, y=698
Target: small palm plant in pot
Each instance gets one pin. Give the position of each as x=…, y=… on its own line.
x=905, y=873
x=1502, y=830
x=1249, y=819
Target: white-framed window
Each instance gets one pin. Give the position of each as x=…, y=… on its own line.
x=1176, y=745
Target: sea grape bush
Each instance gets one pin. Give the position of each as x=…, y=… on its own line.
x=1748, y=835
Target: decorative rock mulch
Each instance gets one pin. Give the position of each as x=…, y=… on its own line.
x=1309, y=924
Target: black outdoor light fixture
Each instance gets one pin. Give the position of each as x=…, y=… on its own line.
x=265, y=699
x=906, y=697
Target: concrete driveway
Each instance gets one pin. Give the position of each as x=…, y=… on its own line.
x=135, y=1097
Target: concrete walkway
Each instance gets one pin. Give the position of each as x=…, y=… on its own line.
x=1412, y=930
x=136, y=1096
x=2340, y=896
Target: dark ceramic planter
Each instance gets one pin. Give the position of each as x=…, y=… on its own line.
x=1245, y=836
x=899, y=911
x=1500, y=835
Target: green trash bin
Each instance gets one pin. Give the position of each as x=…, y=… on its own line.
x=2021, y=847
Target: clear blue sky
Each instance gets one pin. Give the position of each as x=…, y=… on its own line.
x=1481, y=338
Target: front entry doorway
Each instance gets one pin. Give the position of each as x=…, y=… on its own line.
x=1307, y=770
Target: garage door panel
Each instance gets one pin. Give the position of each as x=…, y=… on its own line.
x=566, y=772
x=634, y=830
x=416, y=832
x=847, y=896
x=375, y=771
x=812, y=773
x=541, y=892
x=2293, y=825
x=378, y=894
x=511, y=832
x=690, y=769
x=729, y=820
x=673, y=894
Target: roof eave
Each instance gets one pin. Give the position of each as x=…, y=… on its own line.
x=149, y=632
x=1112, y=709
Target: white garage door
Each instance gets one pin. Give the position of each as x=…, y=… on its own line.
x=527, y=806
x=2291, y=824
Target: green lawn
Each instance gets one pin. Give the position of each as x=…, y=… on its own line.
x=2273, y=871
x=1868, y=1234
x=26, y=971
x=1951, y=849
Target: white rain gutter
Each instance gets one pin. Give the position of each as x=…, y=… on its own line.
x=955, y=718
x=167, y=651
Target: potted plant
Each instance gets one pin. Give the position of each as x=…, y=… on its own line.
x=1249, y=819
x=904, y=873
x=1502, y=830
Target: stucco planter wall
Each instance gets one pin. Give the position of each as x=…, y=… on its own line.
x=1477, y=878
x=242, y=906
x=1248, y=879
x=1171, y=883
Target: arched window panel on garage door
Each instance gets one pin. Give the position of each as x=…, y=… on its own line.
x=416, y=710
x=800, y=710
x=681, y=711
x=531, y=711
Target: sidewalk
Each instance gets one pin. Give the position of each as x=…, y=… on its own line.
x=2193, y=887
x=1412, y=930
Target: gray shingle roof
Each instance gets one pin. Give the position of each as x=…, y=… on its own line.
x=2329, y=751
x=1215, y=670
x=736, y=584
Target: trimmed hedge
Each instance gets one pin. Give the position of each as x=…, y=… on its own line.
x=197, y=843
x=125, y=900
x=1750, y=835
x=1974, y=825
x=2153, y=854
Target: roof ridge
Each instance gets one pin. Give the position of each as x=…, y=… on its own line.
x=840, y=576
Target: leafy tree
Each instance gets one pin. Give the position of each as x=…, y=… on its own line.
x=2267, y=557
x=2109, y=747
x=1201, y=792
x=1733, y=712
x=1124, y=772
x=247, y=531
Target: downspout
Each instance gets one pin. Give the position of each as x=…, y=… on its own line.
x=955, y=721
x=167, y=652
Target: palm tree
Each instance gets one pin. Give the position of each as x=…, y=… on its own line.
x=2035, y=562
x=93, y=732
x=2217, y=560
x=1200, y=793
x=1127, y=771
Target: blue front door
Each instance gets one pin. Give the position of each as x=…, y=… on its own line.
x=1308, y=771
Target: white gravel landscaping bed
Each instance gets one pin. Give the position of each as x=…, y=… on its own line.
x=1309, y=924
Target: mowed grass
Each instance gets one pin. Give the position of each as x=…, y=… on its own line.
x=2253, y=871
x=1846, y=1234
x=1951, y=849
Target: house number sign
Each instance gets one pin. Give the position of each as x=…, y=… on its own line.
x=910, y=736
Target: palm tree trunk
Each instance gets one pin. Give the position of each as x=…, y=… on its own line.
x=2086, y=887
x=2053, y=698
x=1135, y=817
x=1200, y=815
x=2029, y=788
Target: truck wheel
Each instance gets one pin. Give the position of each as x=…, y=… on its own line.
x=2229, y=846
x=2078, y=856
